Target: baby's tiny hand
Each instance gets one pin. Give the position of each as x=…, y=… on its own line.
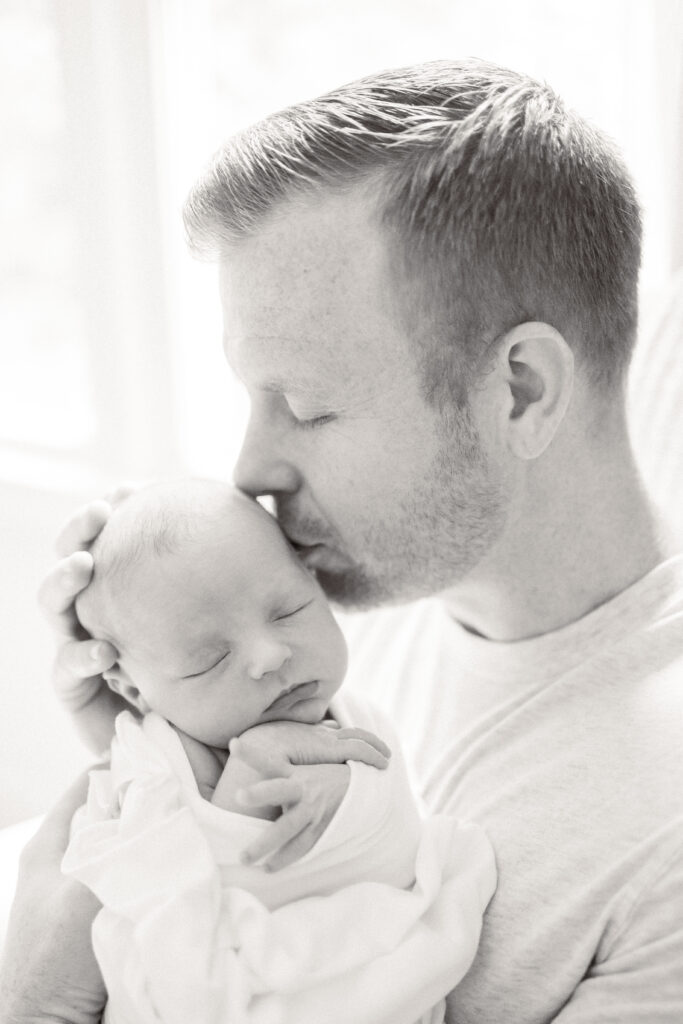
x=310, y=797
x=273, y=748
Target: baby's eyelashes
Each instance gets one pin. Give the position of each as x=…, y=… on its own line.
x=293, y=611
x=208, y=668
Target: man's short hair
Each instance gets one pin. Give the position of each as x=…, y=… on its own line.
x=501, y=205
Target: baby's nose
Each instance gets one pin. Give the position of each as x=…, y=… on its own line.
x=268, y=656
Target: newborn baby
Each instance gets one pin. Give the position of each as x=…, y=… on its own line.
x=221, y=633
x=218, y=626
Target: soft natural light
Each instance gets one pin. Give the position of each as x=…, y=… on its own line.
x=618, y=62
x=44, y=353
x=110, y=336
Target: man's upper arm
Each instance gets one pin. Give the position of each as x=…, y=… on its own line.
x=638, y=977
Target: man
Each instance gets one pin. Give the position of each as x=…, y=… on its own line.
x=429, y=287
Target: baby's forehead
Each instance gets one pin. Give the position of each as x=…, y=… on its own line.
x=147, y=543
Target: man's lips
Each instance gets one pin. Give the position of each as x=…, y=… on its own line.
x=300, y=544
x=292, y=695
x=316, y=553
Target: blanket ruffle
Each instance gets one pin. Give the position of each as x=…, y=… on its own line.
x=188, y=933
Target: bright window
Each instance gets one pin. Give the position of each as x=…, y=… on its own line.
x=618, y=62
x=109, y=108
x=44, y=354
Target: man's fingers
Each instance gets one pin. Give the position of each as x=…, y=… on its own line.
x=367, y=737
x=83, y=527
x=280, y=833
x=59, y=588
x=78, y=669
x=123, y=491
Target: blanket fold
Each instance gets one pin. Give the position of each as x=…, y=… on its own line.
x=375, y=924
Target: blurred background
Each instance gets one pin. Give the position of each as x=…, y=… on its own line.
x=110, y=358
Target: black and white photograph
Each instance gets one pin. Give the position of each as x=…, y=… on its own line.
x=341, y=511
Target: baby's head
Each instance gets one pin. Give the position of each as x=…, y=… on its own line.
x=217, y=624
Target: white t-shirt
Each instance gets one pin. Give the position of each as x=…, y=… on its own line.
x=568, y=749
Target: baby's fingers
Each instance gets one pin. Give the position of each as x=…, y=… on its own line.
x=280, y=834
x=369, y=738
x=83, y=527
x=351, y=747
x=267, y=761
x=294, y=850
x=59, y=588
x=271, y=793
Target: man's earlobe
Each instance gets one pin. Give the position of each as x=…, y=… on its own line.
x=540, y=376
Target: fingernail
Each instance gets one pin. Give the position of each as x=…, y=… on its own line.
x=97, y=652
x=241, y=796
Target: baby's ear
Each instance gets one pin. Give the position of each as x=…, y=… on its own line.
x=117, y=681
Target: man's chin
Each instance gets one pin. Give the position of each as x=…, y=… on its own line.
x=345, y=583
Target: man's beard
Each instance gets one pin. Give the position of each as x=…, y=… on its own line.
x=431, y=538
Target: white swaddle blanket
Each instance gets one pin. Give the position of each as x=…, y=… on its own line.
x=374, y=925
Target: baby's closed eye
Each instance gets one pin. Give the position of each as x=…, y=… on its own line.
x=293, y=611
x=213, y=663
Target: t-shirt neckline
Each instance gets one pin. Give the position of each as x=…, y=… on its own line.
x=657, y=592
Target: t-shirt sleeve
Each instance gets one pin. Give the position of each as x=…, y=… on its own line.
x=637, y=974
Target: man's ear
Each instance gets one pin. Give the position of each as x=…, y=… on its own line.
x=119, y=682
x=539, y=370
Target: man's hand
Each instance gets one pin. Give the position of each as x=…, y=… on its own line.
x=49, y=973
x=304, y=772
x=80, y=659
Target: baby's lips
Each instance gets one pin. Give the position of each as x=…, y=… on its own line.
x=304, y=691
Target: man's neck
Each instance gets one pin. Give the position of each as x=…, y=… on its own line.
x=589, y=540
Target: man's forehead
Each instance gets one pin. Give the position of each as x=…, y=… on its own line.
x=319, y=258
x=299, y=328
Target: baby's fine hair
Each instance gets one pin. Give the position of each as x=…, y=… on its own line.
x=158, y=520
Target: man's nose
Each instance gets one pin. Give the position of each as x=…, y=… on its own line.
x=267, y=655
x=262, y=467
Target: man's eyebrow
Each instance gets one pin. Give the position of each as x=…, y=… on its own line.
x=283, y=384
x=290, y=386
